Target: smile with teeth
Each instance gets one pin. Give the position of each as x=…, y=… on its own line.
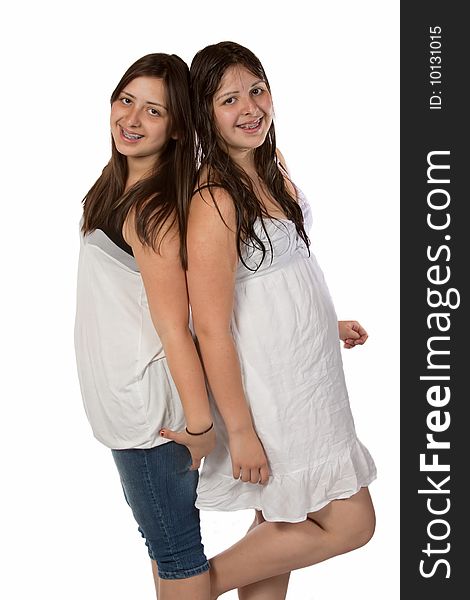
x=252, y=125
x=132, y=137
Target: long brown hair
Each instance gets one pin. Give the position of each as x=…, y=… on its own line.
x=207, y=69
x=160, y=198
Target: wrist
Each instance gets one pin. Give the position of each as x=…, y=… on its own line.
x=198, y=425
x=202, y=432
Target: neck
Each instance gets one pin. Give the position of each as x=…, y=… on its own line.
x=138, y=169
x=244, y=159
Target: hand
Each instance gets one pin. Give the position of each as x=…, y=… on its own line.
x=352, y=333
x=198, y=445
x=249, y=462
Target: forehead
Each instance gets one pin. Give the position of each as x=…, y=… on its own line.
x=151, y=89
x=237, y=75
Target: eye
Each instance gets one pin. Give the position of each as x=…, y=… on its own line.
x=126, y=101
x=230, y=100
x=153, y=112
x=257, y=91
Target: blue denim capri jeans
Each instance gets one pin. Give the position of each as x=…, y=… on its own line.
x=161, y=491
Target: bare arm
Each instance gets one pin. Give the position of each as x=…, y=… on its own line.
x=211, y=274
x=165, y=285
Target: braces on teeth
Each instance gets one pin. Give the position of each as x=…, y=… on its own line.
x=131, y=136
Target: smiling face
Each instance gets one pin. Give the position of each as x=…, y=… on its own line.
x=140, y=121
x=243, y=111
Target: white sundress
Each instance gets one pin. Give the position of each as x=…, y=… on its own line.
x=286, y=333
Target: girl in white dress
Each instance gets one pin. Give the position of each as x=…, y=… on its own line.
x=268, y=336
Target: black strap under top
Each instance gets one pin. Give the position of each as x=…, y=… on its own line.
x=116, y=237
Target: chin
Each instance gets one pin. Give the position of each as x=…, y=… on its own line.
x=123, y=151
x=259, y=143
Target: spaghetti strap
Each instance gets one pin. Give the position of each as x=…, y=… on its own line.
x=206, y=186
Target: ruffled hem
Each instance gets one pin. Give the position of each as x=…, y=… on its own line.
x=290, y=497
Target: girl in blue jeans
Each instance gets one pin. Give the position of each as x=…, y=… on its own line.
x=131, y=285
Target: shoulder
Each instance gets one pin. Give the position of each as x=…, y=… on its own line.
x=213, y=196
x=281, y=161
x=282, y=165
x=166, y=237
x=213, y=201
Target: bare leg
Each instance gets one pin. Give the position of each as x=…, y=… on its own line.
x=156, y=578
x=272, y=549
x=193, y=588
x=274, y=588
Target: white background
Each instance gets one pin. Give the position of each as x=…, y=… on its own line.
x=66, y=531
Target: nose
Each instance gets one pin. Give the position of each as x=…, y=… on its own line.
x=249, y=106
x=133, y=117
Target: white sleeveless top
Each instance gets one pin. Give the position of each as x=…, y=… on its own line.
x=126, y=385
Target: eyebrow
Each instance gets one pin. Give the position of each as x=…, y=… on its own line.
x=237, y=91
x=147, y=101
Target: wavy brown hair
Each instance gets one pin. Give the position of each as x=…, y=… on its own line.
x=161, y=198
x=206, y=72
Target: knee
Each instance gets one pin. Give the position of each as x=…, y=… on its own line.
x=178, y=561
x=361, y=532
x=363, y=536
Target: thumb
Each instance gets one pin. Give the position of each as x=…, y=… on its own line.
x=195, y=464
x=175, y=436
